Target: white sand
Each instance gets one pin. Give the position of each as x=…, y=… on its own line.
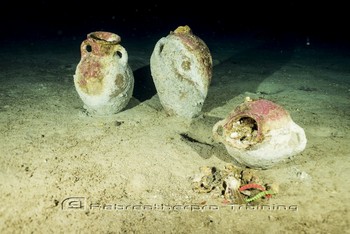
x=54, y=156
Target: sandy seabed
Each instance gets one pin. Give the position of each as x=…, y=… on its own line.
x=62, y=170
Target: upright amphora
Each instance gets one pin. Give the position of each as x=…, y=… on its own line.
x=103, y=77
